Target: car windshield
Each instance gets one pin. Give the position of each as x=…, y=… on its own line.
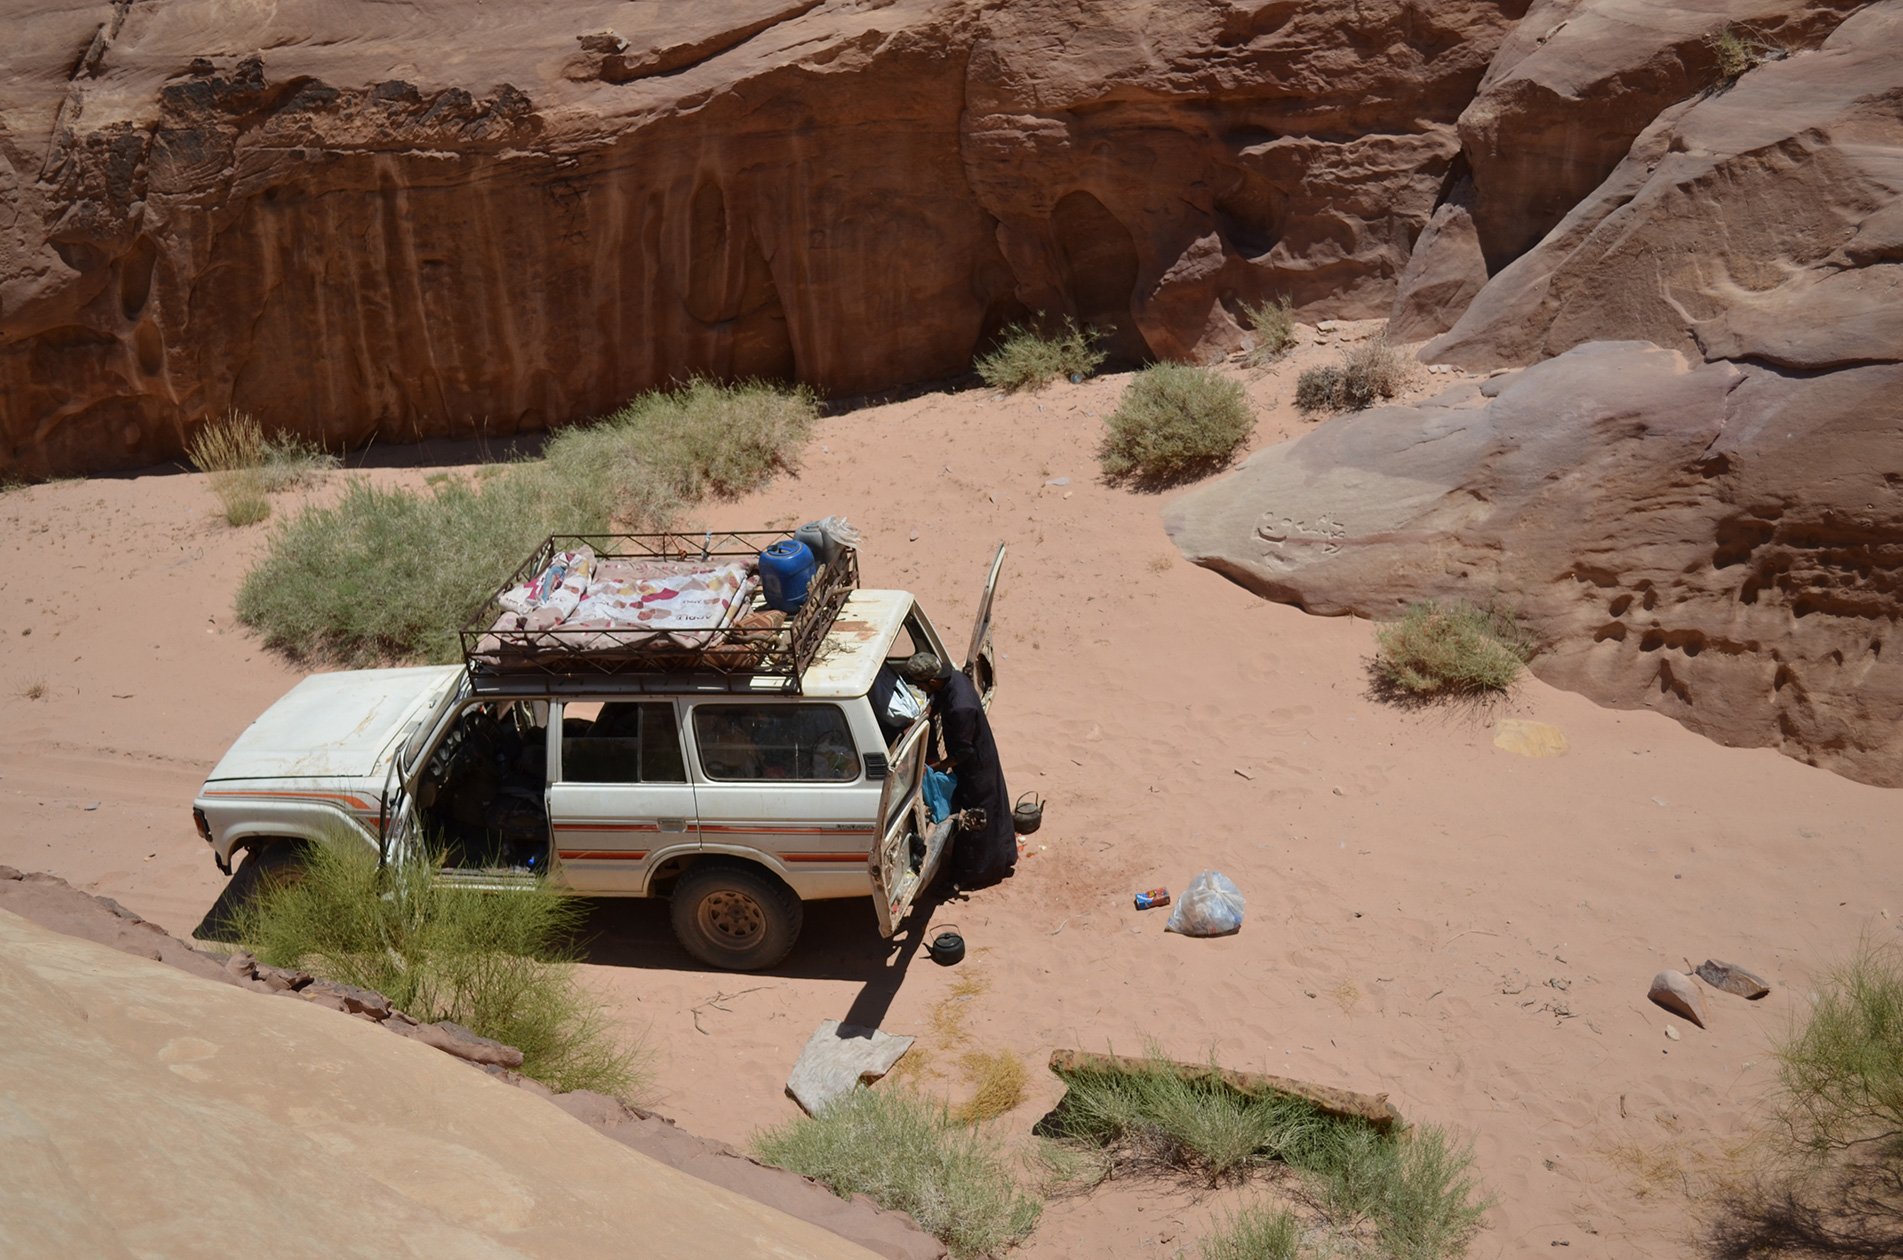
x=413, y=743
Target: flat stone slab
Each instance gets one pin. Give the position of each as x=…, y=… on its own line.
x=837, y=1058
x=1732, y=979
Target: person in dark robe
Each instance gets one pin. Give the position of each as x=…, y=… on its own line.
x=986, y=854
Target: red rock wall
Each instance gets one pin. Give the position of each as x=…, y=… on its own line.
x=450, y=219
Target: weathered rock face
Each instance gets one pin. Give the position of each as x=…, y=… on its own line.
x=1764, y=222
x=1576, y=83
x=296, y=212
x=1722, y=543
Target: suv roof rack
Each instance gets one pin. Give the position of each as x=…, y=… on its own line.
x=768, y=659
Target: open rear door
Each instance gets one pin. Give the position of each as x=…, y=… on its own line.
x=909, y=848
x=980, y=661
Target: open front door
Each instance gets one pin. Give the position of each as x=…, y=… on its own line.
x=909, y=847
x=980, y=661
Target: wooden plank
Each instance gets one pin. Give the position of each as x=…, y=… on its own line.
x=1346, y=1103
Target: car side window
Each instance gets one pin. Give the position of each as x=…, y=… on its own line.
x=742, y=743
x=621, y=742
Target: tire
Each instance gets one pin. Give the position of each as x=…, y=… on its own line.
x=737, y=918
x=265, y=866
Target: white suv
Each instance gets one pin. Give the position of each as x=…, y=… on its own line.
x=737, y=782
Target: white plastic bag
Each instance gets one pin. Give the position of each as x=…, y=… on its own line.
x=1212, y=906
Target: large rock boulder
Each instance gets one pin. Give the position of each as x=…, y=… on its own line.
x=356, y=219
x=1569, y=91
x=1764, y=222
x=1719, y=542
x=149, y=1112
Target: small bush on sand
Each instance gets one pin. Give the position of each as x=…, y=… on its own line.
x=1256, y=1232
x=1415, y=1192
x=910, y=1155
x=391, y=573
x=1174, y=422
x=499, y=964
x=1451, y=650
x=1274, y=327
x=1026, y=360
x=245, y=467
x=1368, y=373
x=1831, y=1176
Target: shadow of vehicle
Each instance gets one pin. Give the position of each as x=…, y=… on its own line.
x=840, y=941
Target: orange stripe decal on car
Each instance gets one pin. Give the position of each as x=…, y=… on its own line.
x=823, y=857
x=603, y=855
x=345, y=797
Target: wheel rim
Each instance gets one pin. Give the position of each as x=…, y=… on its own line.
x=731, y=919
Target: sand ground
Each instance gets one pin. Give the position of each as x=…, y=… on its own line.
x=1466, y=928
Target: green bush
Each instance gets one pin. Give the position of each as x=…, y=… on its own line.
x=1415, y=1191
x=1256, y=1232
x=1451, y=650
x=910, y=1155
x=1829, y=1178
x=1174, y=422
x=1274, y=327
x=1840, y=1077
x=1026, y=360
x=498, y=963
x=1368, y=373
x=391, y=574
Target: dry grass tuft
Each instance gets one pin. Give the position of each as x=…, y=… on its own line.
x=35, y=689
x=1274, y=326
x=997, y=1081
x=245, y=468
x=1367, y=373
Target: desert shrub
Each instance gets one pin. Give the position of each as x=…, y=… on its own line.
x=1450, y=650
x=245, y=467
x=1738, y=49
x=1369, y=372
x=1829, y=1180
x=909, y=1154
x=1274, y=327
x=1318, y=388
x=289, y=461
x=1840, y=1077
x=391, y=574
x=1256, y=1232
x=1419, y=1192
x=500, y=964
x=672, y=448
x=1026, y=360
x=1415, y=1191
x=1158, y=1118
x=1173, y=422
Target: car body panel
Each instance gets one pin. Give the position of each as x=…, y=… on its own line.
x=332, y=726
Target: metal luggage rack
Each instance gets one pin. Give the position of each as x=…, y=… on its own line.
x=738, y=659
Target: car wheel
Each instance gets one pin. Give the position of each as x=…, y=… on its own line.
x=738, y=918
x=265, y=866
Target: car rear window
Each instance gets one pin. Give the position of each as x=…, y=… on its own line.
x=621, y=742
x=741, y=743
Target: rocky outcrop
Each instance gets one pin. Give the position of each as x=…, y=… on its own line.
x=355, y=220
x=152, y=1112
x=1764, y=222
x=1720, y=542
x=51, y=903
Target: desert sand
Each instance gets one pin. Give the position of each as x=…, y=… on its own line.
x=1462, y=926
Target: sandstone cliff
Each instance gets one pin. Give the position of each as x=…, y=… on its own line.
x=441, y=217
